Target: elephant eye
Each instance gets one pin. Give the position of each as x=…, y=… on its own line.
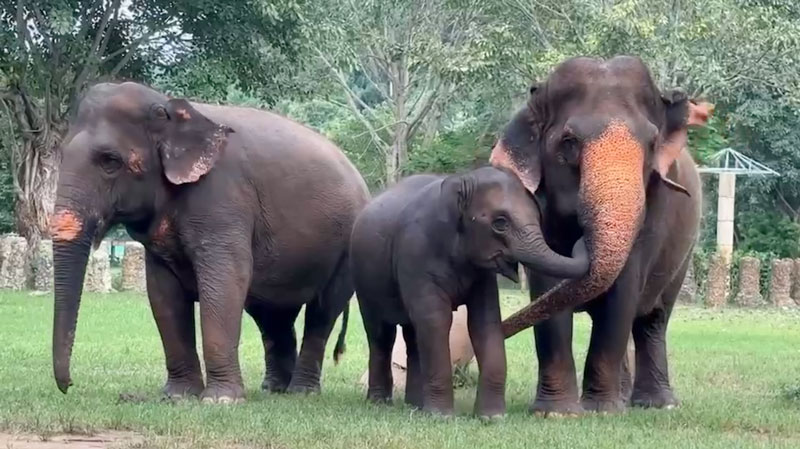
x=500, y=224
x=109, y=161
x=570, y=150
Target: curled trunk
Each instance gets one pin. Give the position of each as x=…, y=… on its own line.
x=534, y=253
x=612, y=201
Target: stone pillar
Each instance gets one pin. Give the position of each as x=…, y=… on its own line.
x=781, y=283
x=725, y=208
x=98, y=270
x=133, y=272
x=688, y=292
x=749, y=294
x=718, y=282
x=43, y=267
x=796, y=281
x=460, y=350
x=13, y=270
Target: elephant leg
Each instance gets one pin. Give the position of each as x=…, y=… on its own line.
x=321, y=315
x=626, y=375
x=414, y=380
x=486, y=335
x=651, y=387
x=174, y=315
x=612, y=318
x=223, y=278
x=433, y=344
x=280, y=342
x=557, y=390
x=380, y=337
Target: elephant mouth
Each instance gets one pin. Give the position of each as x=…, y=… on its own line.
x=506, y=268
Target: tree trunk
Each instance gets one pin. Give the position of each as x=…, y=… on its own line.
x=38, y=178
x=35, y=163
x=398, y=154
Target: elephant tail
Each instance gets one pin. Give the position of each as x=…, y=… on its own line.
x=340, y=347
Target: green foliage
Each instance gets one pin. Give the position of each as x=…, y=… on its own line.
x=767, y=232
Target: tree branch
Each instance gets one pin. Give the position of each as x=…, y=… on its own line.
x=92, y=58
x=423, y=108
x=352, y=98
x=107, y=36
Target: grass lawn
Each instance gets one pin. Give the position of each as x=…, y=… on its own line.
x=737, y=373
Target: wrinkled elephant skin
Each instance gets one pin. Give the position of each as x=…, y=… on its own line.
x=238, y=209
x=429, y=245
x=604, y=151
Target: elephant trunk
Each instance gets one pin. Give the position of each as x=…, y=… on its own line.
x=72, y=241
x=533, y=252
x=612, y=199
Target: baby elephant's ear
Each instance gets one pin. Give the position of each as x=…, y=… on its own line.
x=190, y=142
x=455, y=194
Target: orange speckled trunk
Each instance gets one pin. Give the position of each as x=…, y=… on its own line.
x=612, y=200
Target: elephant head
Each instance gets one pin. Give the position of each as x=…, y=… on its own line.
x=127, y=147
x=500, y=225
x=594, y=138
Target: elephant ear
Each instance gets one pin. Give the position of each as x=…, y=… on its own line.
x=680, y=112
x=456, y=195
x=517, y=149
x=190, y=143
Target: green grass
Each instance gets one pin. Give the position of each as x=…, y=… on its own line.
x=737, y=373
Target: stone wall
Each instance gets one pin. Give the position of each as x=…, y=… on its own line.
x=749, y=294
x=780, y=287
x=688, y=293
x=718, y=282
x=133, y=271
x=13, y=268
x=98, y=270
x=796, y=281
x=43, y=267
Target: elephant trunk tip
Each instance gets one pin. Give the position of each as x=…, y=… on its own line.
x=63, y=384
x=62, y=376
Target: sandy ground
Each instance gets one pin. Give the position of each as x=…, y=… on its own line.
x=115, y=440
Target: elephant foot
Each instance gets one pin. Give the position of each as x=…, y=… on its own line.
x=603, y=406
x=379, y=397
x=492, y=418
x=176, y=389
x=439, y=412
x=273, y=385
x=662, y=399
x=490, y=408
x=544, y=408
x=228, y=393
x=300, y=388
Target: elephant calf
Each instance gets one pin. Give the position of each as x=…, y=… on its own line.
x=430, y=244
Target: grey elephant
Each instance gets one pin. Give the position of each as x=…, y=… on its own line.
x=238, y=209
x=428, y=245
x=604, y=150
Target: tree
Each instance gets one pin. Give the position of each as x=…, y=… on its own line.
x=400, y=63
x=54, y=49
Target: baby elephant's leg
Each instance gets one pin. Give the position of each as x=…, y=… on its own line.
x=486, y=334
x=432, y=329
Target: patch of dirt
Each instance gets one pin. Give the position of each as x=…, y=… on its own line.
x=116, y=440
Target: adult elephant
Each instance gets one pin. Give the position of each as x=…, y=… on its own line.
x=604, y=151
x=237, y=209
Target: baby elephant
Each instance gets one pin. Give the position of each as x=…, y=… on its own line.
x=430, y=244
